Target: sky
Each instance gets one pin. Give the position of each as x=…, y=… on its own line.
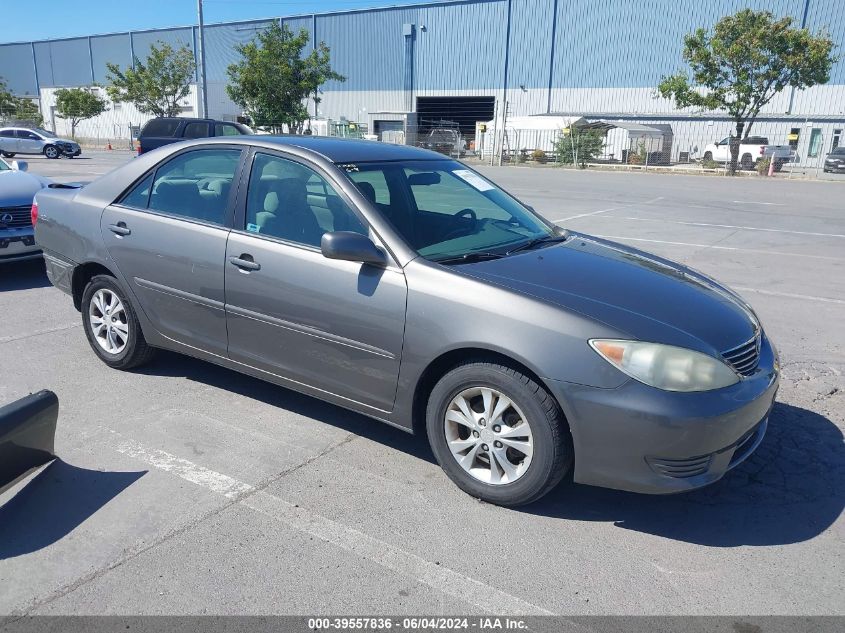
x=25, y=20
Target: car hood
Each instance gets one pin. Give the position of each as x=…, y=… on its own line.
x=18, y=188
x=641, y=295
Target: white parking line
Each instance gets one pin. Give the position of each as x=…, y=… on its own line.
x=768, y=204
x=472, y=591
x=721, y=248
x=727, y=226
x=616, y=208
x=789, y=295
x=49, y=330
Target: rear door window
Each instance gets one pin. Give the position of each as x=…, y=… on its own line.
x=194, y=185
x=226, y=129
x=197, y=129
x=161, y=127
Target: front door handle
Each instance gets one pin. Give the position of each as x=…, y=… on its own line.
x=245, y=262
x=120, y=229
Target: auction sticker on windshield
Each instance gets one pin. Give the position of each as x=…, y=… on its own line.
x=473, y=179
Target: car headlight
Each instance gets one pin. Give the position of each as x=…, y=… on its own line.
x=665, y=366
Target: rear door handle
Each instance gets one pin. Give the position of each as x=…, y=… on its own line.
x=120, y=229
x=245, y=262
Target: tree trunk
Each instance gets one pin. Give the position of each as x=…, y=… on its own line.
x=735, y=142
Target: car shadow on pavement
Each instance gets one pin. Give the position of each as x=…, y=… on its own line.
x=790, y=490
x=53, y=503
x=172, y=364
x=23, y=275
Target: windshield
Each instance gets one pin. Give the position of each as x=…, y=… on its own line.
x=444, y=210
x=43, y=132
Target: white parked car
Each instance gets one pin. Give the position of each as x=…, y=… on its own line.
x=35, y=140
x=751, y=150
x=17, y=190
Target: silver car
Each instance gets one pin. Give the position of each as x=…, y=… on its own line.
x=403, y=285
x=24, y=140
x=17, y=191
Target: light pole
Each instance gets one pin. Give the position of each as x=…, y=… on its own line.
x=201, y=43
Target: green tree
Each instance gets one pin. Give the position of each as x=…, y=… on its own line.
x=273, y=79
x=78, y=104
x=748, y=59
x=579, y=147
x=18, y=109
x=26, y=111
x=7, y=100
x=157, y=85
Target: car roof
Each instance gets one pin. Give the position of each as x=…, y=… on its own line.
x=346, y=150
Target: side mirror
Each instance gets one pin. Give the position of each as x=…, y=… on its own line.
x=20, y=165
x=352, y=247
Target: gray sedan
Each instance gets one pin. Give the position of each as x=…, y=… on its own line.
x=405, y=286
x=17, y=190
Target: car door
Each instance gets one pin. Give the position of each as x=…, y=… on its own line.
x=168, y=234
x=8, y=141
x=336, y=326
x=723, y=150
x=29, y=142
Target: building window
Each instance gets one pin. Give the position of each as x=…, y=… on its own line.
x=836, y=136
x=815, y=142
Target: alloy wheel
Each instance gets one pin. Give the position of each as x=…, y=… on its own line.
x=108, y=320
x=488, y=435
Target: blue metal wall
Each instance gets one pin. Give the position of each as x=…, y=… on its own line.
x=559, y=50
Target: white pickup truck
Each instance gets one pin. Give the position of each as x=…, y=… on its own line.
x=751, y=150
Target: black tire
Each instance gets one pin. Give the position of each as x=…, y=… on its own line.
x=779, y=165
x=552, y=445
x=747, y=163
x=8, y=154
x=136, y=351
x=708, y=155
x=51, y=151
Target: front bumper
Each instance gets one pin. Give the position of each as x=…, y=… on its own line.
x=18, y=245
x=834, y=167
x=642, y=439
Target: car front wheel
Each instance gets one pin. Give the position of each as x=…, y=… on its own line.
x=111, y=325
x=499, y=435
x=51, y=151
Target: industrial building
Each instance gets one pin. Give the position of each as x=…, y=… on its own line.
x=463, y=60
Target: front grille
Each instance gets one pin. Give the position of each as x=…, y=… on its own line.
x=744, y=358
x=680, y=468
x=20, y=216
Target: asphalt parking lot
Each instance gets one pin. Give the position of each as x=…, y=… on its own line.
x=187, y=488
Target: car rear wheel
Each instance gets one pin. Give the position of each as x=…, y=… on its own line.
x=747, y=162
x=708, y=155
x=497, y=434
x=8, y=154
x=111, y=325
x=51, y=151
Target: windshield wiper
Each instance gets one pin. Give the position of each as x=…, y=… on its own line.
x=468, y=258
x=537, y=241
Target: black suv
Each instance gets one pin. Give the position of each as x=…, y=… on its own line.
x=835, y=161
x=164, y=130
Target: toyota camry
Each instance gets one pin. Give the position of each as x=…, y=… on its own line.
x=403, y=285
